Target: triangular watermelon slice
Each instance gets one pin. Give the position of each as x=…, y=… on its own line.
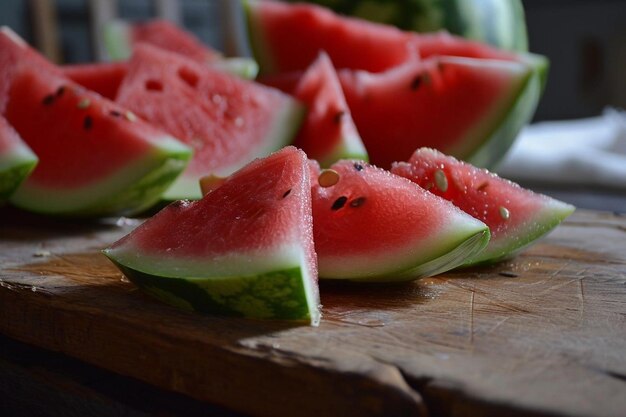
x=122, y=36
x=95, y=157
x=328, y=132
x=226, y=120
x=515, y=216
x=104, y=78
x=17, y=160
x=245, y=249
x=370, y=225
x=453, y=104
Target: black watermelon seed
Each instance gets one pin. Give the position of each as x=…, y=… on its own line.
x=508, y=274
x=87, y=122
x=115, y=113
x=482, y=186
x=338, y=116
x=339, y=203
x=417, y=81
x=287, y=193
x=60, y=91
x=358, y=166
x=357, y=202
x=48, y=100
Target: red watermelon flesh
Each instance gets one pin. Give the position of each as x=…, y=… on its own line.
x=288, y=37
x=372, y=225
x=246, y=248
x=328, y=132
x=103, y=77
x=515, y=216
x=93, y=153
x=226, y=120
x=452, y=104
x=15, y=53
x=16, y=160
x=170, y=37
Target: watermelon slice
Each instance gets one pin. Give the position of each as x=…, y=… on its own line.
x=226, y=120
x=102, y=77
x=16, y=160
x=370, y=225
x=121, y=37
x=286, y=37
x=455, y=104
x=328, y=132
x=245, y=249
x=515, y=216
x=95, y=157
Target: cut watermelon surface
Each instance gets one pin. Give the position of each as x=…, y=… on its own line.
x=245, y=249
x=95, y=157
x=286, y=37
x=102, y=77
x=453, y=104
x=370, y=225
x=226, y=120
x=121, y=37
x=328, y=132
x=515, y=216
x=16, y=160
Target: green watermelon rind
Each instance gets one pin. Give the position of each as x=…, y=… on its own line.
x=446, y=251
x=348, y=148
x=258, y=45
x=15, y=166
x=537, y=226
x=118, y=44
x=282, y=293
x=127, y=191
x=287, y=121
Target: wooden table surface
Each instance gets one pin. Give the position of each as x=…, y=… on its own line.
x=542, y=334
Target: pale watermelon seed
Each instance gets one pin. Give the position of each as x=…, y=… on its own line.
x=328, y=178
x=84, y=103
x=339, y=203
x=441, y=181
x=130, y=116
x=504, y=213
x=357, y=202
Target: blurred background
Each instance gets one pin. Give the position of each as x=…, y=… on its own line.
x=585, y=41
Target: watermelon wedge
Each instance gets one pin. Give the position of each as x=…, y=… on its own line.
x=16, y=160
x=104, y=78
x=121, y=37
x=328, y=132
x=96, y=158
x=515, y=216
x=226, y=120
x=372, y=226
x=288, y=37
x=455, y=104
x=245, y=249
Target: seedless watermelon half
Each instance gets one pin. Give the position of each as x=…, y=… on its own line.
x=328, y=132
x=95, y=158
x=245, y=249
x=515, y=216
x=121, y=37
x=16, y=160
x=370, y=225
x=457, y=105
x=228, y=121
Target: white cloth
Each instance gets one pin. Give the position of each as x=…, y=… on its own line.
x=589, y=152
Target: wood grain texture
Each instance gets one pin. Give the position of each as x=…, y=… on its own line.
x=542, y=334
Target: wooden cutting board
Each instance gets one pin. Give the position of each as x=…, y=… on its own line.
x=543, y=334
